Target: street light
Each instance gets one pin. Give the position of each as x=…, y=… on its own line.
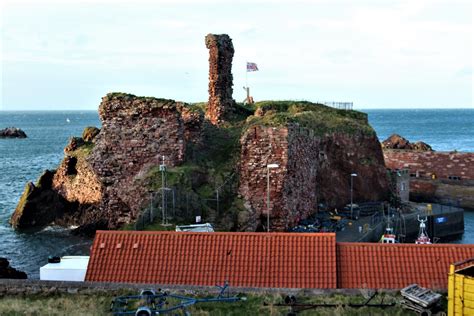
x=269, y=166
x=352, y=186
x=163, y=207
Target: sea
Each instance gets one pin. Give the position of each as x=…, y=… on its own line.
x=23, y=160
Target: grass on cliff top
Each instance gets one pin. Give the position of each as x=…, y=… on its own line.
x=129, y=96
x=317, y=117
x=99, y=304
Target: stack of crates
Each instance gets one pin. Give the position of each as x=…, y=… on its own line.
x=461, y=288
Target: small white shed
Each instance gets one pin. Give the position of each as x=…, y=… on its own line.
x=195, y=228
x=70, y=268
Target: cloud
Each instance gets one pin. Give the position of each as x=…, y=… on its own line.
x=313, y=47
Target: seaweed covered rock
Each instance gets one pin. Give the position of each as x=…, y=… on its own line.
x=12, y=132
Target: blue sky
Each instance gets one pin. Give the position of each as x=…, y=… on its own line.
x=377, y=54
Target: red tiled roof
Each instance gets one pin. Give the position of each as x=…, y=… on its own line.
x=280, y=260
x=394, y=266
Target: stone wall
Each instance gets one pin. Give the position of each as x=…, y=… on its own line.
x=10, y=287
x=442, y=192
x=438, y=177
x=221, y=52
x=261, y=146
x=427, y=163
x=136, y=132
x=400, y=182
x=312, y=170
x=192, y=122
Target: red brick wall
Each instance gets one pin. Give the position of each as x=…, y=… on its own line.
x=442, y=164
x=261, y=146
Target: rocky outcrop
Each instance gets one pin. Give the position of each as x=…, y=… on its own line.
x=313, y=167
x=74, y=143
x=40, y=205
x=136, y=133
x=396, y=141
x=64, y=196
x=421, y=146
x=8, y=272
x=221, y=52
x=12, y=132
x=89, y=133
x=101, y=181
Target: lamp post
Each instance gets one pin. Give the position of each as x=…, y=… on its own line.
x=352, y=187
x=163, y=184
x=269, y=166
x=163, y=207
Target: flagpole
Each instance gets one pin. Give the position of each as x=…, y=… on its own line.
x=246, y=84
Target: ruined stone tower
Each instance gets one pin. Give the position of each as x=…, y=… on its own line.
x=221, y=52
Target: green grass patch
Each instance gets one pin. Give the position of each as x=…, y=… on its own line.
x=256, y=304
x=319, y=118
x=82, y=151
x=130, y=97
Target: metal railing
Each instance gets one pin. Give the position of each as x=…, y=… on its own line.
x=339, y=105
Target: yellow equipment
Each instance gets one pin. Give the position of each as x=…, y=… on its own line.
x=461, y=288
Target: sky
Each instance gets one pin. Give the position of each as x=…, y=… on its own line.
x=66, y=55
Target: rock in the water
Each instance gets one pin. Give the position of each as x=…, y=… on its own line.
x=421, y=146
x=8, y=272
x=12, y=132
x=396, y=141
x=90, y=133
x=39, y=205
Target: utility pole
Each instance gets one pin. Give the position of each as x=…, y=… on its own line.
x=217, y=200
x=163, y=173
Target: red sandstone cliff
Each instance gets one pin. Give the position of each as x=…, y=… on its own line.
x=101, y=183
x=316, y=148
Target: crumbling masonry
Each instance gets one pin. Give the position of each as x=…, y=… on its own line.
x=221, y=52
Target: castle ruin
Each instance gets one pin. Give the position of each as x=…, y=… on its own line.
x=221, y=52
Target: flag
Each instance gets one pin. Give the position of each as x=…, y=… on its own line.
x=252, y=67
